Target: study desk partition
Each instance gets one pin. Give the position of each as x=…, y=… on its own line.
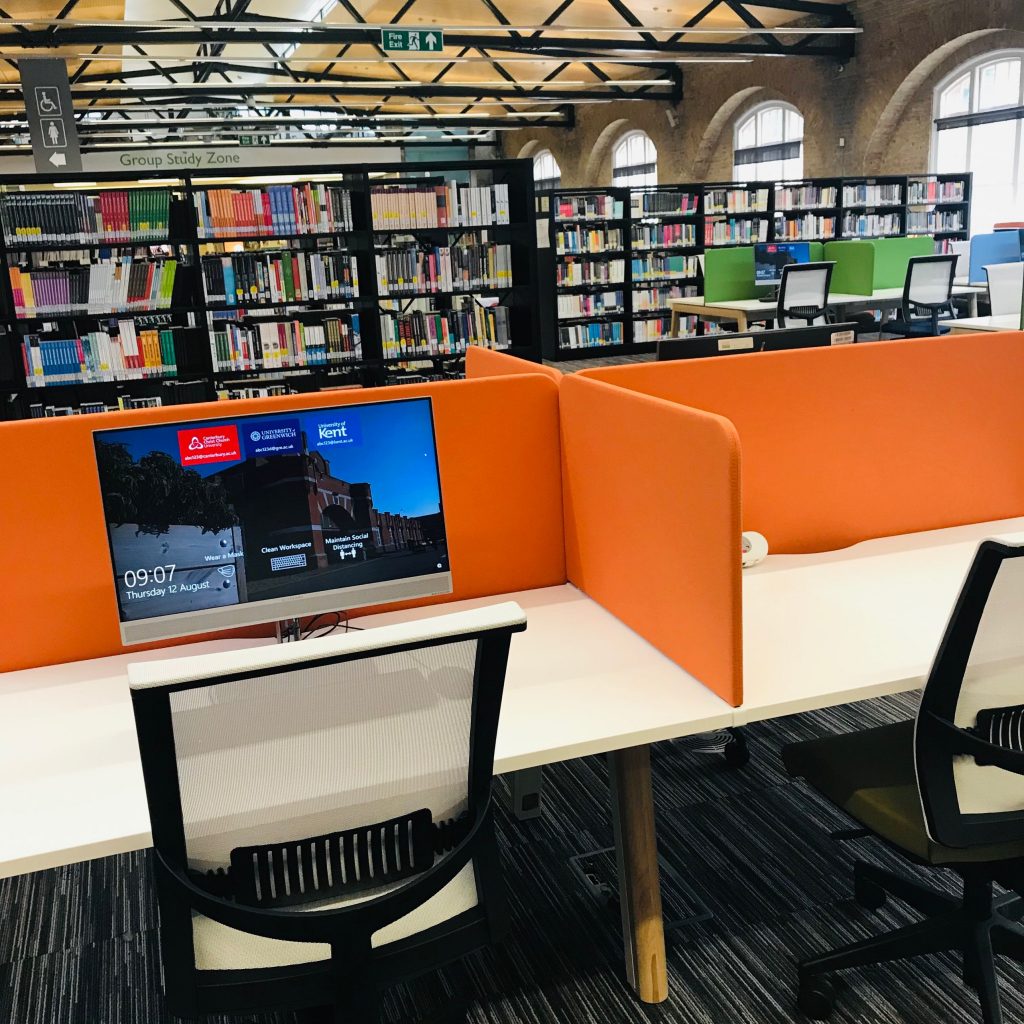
x=971, y=325
x=747, y=311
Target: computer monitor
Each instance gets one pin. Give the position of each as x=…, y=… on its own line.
x=818, y=336
x=771, y=257
x=214, y=524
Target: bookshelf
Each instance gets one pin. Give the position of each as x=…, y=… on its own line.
x=940, y=205
x=807, y=210
x=590, y=240
x=162, y=291
x=621, y=254
x=873, y=207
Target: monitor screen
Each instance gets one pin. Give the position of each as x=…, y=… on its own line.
x=247, y=519
x=771, y=257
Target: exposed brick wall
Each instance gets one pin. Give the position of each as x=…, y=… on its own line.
x=880, y=102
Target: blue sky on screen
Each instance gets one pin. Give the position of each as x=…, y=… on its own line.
x=394, y=452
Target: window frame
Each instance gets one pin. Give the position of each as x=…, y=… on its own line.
x=624, y=175
x=546, y=183
x=772, y=152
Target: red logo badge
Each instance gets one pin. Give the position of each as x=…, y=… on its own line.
x=208, y=444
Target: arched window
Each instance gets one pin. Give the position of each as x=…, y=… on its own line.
x=768, y=144
x=635, y=161
x=978, y=128
x=546, y=172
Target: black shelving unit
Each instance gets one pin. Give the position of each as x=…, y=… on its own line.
x=198, y=378
x=873, y=207
x=940, y=205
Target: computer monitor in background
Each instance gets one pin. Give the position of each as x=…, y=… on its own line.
x=771, y=257
x=756, y=341
x=249, y=519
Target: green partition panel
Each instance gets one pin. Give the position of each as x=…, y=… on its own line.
x=817, y=252
x=854, y=272
x=892, y=256
x=729, y=274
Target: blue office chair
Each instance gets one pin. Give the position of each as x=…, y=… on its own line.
x=927, y=293
x=946, y=791
x=321, y=812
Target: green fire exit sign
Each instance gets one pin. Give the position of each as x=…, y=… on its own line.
x=412, y=40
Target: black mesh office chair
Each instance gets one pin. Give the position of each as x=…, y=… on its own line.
x=946, y=791
x=927, y=294
x=321, y=812
x=803, y=294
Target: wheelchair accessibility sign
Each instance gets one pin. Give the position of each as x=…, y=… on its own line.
x=51, y=117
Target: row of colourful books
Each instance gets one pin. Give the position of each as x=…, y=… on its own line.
x=443, y=269
x=285, y=344
x=873, y=195
x=399, y=207
x=39, y=411
x=803, y=197
x=572, y=307
x=649, y=300
x=444, y=332
x=736, y=200
x=595, y=240
x=872, y=225
x=572, y=273
x=592, y=335
x=810, y=226
x=735, y=232
x=109, y=286
x=128, y=353
x=659, y=266
x=588, y=207
x=664, y=236
x=932, y=221
x=651, y=204
x=113, y=215
x=931, y=190
x=279, y=276
x=273, y=210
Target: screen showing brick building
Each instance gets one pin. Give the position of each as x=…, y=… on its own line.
x=219, y=513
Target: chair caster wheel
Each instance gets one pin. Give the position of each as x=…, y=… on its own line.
x=816, y=997
x=736, y=752
x=869, y=895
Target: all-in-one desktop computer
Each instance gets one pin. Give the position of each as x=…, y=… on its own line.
x=249, y=519
x=771, y=257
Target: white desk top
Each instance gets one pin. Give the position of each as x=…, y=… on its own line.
x=1010, y=322
x=887, y=295
x=865, y=621
x=579, y=682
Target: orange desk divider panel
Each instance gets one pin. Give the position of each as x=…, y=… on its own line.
x=486, y=362
x=652, y=523
x=497, y=443
x=845, y=444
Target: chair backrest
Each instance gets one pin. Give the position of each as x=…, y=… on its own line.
x=1005, y=288
x=803, y=294
x=961, y=249
x=269, y=764
x=929, y=283
x=969, y=740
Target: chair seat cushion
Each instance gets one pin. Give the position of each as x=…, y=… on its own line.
x=221, y=948
x=870, y=775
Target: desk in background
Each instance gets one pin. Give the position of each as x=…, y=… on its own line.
x=971, y=325
x=747, y=311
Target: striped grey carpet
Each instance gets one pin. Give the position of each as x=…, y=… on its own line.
x=78, y=945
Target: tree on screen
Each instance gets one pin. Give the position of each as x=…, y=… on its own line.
x=156, y=493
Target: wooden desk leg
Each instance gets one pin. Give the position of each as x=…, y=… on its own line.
x=673, y=327
x=741, y=323
x=636, y=855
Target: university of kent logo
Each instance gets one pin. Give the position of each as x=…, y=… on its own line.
x=208, y=444
x=338, y=432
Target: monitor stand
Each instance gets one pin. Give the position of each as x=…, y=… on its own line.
x=772, y=298
x=288, y=631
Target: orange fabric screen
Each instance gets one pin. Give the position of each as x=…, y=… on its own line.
x=844, y=444
x=500, y=478
x=652, y=523
x=486, y=362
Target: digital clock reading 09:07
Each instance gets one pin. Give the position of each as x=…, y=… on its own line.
x=143, y=577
